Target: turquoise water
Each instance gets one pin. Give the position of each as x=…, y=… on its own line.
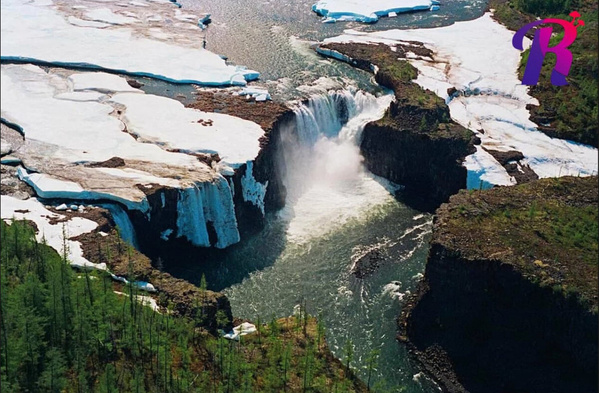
x=269, y=274
x=306, y=252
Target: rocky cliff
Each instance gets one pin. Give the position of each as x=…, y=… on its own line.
x=416, y=144
x=509, y=298
x=272, y=117
x=104, y=245
x=161, y=220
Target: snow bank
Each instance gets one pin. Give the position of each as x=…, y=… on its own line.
x=367, y=11
x=477, y=58
x=167, y=122
x=102, y=38
x=258, y=93
x=32, y=210
x=144, y=300
x=241, y=330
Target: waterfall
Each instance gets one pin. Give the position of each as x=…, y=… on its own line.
x=321, y=157
x=342, y=113
x=204, y=203
x=323, y=169
x=324, y=143
x=123, y=223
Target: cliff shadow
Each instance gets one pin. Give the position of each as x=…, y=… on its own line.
x=222, y=267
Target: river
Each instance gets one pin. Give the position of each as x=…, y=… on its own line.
x=336, y=211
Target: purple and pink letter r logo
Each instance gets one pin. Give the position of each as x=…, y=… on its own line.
x=540, y=47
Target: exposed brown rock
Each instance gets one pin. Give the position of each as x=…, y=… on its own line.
x=509, y=299
x=263, y=113
x=510, y=160
x=135, y=84
x=114, y=162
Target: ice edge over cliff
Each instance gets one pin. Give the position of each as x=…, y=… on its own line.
x=368, y=11
x=80, y=131
x=205, y=204
x=253, y=191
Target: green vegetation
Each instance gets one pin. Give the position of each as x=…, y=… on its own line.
x=568, y=112
x=67, y=331
x=400, y=70
x=549, y=7
x=393, y=72
x=548, y=229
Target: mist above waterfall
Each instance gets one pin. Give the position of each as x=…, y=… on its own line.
x=326, y=181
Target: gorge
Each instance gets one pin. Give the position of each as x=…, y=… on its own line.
x=316, y=188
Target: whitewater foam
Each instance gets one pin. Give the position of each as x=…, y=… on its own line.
x=327, y=184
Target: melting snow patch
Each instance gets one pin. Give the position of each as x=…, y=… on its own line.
x=366, y=11
x=478, y=59
x=258, y=93
x=241, y=330
x=144, y=300
x=53, y=233
x=76, y=42
x=32, y=210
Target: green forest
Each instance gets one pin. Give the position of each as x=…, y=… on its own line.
x=68, y=331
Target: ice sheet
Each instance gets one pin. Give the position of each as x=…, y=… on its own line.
x=101, y=38
x=366, y=11
x=166, y=121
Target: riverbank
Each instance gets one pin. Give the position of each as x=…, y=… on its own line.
x=511, y=287
x=87, y=332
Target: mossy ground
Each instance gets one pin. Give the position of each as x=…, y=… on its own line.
x=422, y=110
x=548, y=229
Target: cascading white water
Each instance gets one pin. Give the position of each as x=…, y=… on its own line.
x=325, y=177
